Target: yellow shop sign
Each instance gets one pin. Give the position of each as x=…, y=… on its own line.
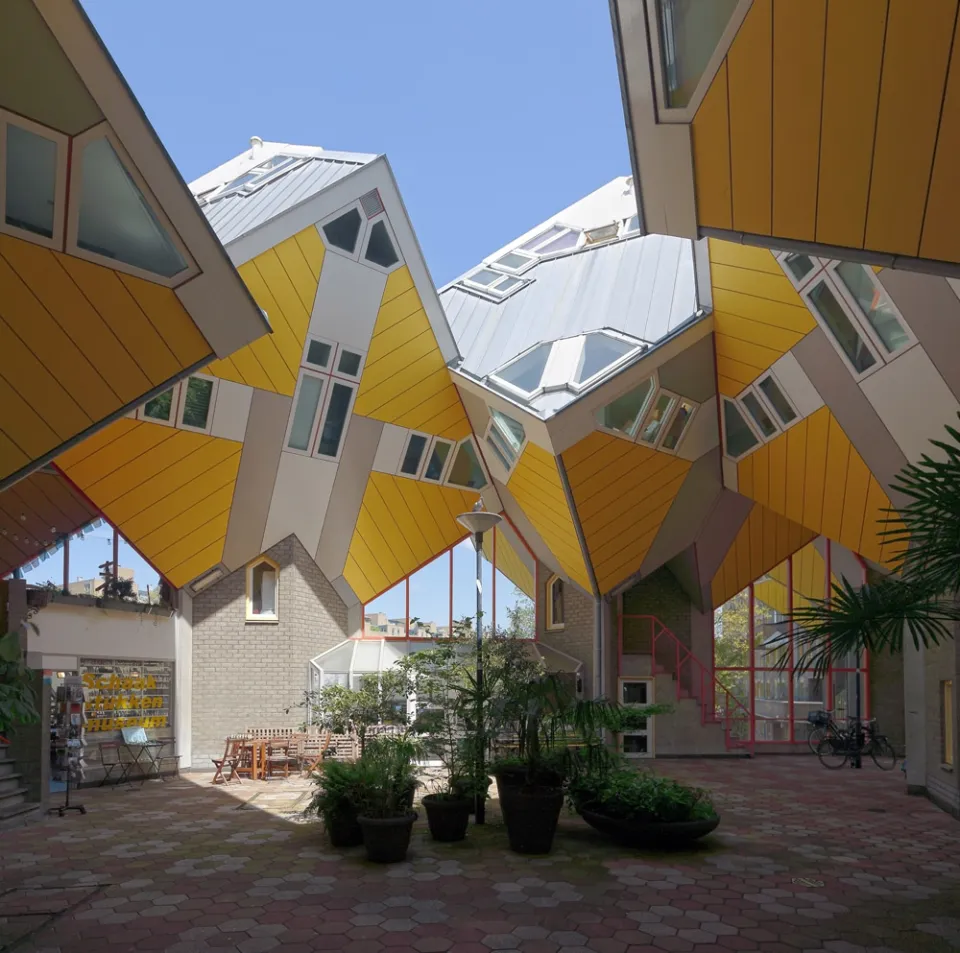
x=115, y=683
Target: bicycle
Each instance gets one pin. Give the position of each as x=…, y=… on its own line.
x=822, y=726
x=856, y=742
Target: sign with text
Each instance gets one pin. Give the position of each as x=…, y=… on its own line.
x=127, y=694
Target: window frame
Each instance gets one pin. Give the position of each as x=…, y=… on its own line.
x=686, y=427
x=492, y=425
x=550, y=622
x=71, y=245
x=768, y=404
x=610, y=369
x=623, y=434
x=650, y=731
x=675, y=398
x=368, y=233
x=174, y=409
x=531, y=260
x=489, y=291
x=422, y=463
x=260, y=618
x=480, y=462
x=428, y=453
x=62, y=143
x=262, y=179
x=748, y=420
x=181, y=398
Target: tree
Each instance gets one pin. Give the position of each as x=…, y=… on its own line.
x=18, y=701
x=920, y=595
x=521, y=616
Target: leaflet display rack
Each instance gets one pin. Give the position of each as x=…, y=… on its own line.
x=68, y=740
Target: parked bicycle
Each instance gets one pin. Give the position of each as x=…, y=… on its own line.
x=860, y=740
x=822, y=726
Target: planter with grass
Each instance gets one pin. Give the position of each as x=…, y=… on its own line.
x=384, y=802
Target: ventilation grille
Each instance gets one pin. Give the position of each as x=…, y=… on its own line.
x=372, y=206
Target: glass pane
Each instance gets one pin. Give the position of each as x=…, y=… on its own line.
x=635, y=744
x=115, y=219
x=623, y=414
x=761, y=418
x=507, y=283
x=160, y=407
x=731, y=632
x=485, y=276
x=772, y=729
x=845, y=334
x=740, y=438
x=875, y=305
x=386, y=615
x=495, y=443
x=632, y=225
x=542, y=237
x=634, y=693
x=196, y=402
x=336, y=418
x=600, y=351
x=511, y=429
x=604, y=233
x=799, y=265
x=525, y=373
x=380, y=249
x=264, y=595
x=677, y=426
x=512, y=260
x=318, y=354
x=556, y=602
x=656, y=418
x=771, y=390
x=31, y=181
x=567, y=240
x=342, y=232
x=689, y=33
x=466, y=470
x=308, y=401
x=430, y=599
x=411, y=459
x=438, y=457
x=349, y=363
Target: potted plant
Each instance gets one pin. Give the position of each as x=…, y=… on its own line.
x=642, y=809
x=385, y=808
x=338, y=790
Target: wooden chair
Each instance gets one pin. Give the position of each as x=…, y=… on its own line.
x=282, y=753
x=312, y=752
x=230, y=759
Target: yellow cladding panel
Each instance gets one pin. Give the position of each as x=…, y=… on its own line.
x=808, y=578
x=168, y=491
x=623, y=492
x=516, y=566
x=535, y=485
x=402, y=525
x=283, y=281
x=758, y=314
x=763, y=542
x=405, y=378
x=711, y=155
x=813, y=473
x=79, y=342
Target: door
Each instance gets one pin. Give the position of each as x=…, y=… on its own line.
x=638, y=741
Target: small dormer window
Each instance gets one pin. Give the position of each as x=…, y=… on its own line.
x=525, y=373
x=605, y=233
x=263, y=576
x=496, y=284
x=601, y=351
x=255, y=178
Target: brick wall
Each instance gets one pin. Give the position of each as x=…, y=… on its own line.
x=576, y=637
x=251, y=673
x=658, y=595
x=943, y=784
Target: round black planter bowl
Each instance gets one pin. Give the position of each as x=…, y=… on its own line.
x=663, y=835
x=531, y=816
x=344, y=830
x=387, y=838
x=447, y=817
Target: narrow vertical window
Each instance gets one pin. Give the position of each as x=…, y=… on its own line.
x=336, y=420
x=31, y=172
x=555, y=606
x=263, y=590
x=308, y=400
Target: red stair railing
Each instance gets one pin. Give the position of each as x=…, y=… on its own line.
x=692, y=679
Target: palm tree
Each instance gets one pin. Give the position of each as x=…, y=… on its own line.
x=920, y=596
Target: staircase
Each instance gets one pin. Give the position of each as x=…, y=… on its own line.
x=672, y=663
x=14, y=807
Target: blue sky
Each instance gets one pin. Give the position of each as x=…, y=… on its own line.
x=494, y=116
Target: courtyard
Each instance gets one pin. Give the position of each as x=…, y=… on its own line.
x=804, y=859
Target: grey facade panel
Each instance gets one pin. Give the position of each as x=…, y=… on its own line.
x=691, y=373
x=642, y=286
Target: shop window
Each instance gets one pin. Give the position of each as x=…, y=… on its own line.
x=555, y=606
x=263, y=590
x=116, y=221
x=947, y=722
x=466, y=470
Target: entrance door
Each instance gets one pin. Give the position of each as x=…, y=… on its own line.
x=638, y=741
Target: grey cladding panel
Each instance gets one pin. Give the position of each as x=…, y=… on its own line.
x=259, y=460
x=719, y=531
x=691, y=373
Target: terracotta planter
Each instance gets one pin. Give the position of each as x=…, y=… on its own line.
x=447, y=817
x=387, y=839
x=663, y=834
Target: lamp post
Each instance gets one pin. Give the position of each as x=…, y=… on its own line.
x=479, y=522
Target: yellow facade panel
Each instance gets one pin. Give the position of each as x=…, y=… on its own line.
x=711, y=155
x=851, y=88
x=915, y=58
x=175, y=527
x=311, y=247
x=798, y=37
x=752, y=257
x=183, y=556
x=197, y=564
x=750, y=65
x=301, y=257
x=516, y=566
x=358, y=581
x=834, y=478
x=288, y=322
x=748, y=302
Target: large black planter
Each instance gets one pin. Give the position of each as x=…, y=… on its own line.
x=343, y=829
x=663, y=834
x=531, y=815
x=387, y=838
x=464, y=789
x=447, y=817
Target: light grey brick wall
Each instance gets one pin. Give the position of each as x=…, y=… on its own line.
x=576, y=637
x=255, y=673
x=943, y=784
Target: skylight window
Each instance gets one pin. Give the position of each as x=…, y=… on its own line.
x=553, y=239
x=496, y=284
x=605, y=233
x=601, y=351
x=525, y=373
x=515, y=261
x=258, y=176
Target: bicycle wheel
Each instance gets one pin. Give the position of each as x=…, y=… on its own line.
x=815, y=736
x=832, y=752
x=884, y=757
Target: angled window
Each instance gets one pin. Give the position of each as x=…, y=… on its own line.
x=257, y=177
x=624, y=414
x=758, y=412
x=631, y=225
x=263, y=590
x=605, y=233
x=840, y=326
x=777, y=400
x=600, y=351
x=160, y=408
x=196, y=403
x=31, y=181
x=657, y=417
x=413, y=454
x=738, y=437
x=864, y=290
x=466, y=471
x=380, y=248
x=689, y=32
x=495, y=284
x=319, y=354
x=515, y=261
x=525, y=373
x=344, y=230
x=349, y=363
x=800, y=267
x=306, y=405
x=437, y=460
x=506, y=437
x=555, y=608
x=335, y=419
x=116, y=221
x=678, y=425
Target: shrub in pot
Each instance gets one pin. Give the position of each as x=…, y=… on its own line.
x=448, y=811
x=336, y=797
x=385, y=811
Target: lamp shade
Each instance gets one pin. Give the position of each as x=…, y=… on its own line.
x=479, y=522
